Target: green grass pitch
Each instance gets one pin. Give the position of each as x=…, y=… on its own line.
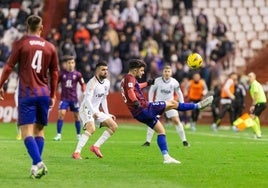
x=215, y=159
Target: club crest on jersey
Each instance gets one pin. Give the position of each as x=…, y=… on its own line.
x=74, y=77
x=130, y=84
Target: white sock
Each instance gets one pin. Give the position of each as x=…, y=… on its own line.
x=180, y=131
x=166, y=156
x=82, y=142
x=149, y=135
x=105, y=135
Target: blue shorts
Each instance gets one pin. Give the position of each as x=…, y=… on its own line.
x=64, y=105
x=149, y=115
x=33, y=110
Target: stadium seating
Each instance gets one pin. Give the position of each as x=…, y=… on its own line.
x=246, y=21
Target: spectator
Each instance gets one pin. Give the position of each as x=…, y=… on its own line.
x=82, y=34
x=219, y=29
x=4, y=54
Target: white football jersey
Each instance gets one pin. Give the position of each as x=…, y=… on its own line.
x=165, y=89
x=95, y=94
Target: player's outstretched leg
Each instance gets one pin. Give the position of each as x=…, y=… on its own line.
x=205, y=102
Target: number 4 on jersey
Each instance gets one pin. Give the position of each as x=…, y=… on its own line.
x=37, y=60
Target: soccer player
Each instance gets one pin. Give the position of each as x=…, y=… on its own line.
x=197, y=89
x=227, y=97
x=147, y=112
x=69, y=78
x=95, y=97
x=164, y=88
x=36, y=58
x=258, y=102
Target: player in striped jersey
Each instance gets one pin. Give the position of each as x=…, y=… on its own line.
x=147, y=112
x=69, y=78
x=95, y=96
x=38, y=70
x=164, y=89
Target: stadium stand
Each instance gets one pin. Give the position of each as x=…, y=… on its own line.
x=246, y=21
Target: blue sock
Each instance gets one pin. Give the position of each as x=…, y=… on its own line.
x=59, y=125
x=77, y=127
x=40, y=143
x=162, y=143
x=32, y=149
x=187, y=106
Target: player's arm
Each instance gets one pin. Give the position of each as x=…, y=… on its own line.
x=54, y=77
x=179, y=93
x=148, y=83
x=88, y=95
x=82, y=82
x=104, y=105
x=8, y=67
x=205, y=88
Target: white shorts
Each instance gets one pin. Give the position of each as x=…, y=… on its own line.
x=171, y=113
x=86, y=116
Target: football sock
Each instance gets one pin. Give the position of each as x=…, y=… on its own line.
x=105, y=135
x=187, y=106
x=32, y=149
x=59, y=126
x=77, y=127
x=149, y=135
x=82, y=141
x=40, y=143
x=256, y=127
x=180, y=131
x=162, y=143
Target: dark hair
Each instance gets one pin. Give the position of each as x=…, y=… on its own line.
x=33, y=22
x=136, y=63
x=67, y=58
x=101, y=63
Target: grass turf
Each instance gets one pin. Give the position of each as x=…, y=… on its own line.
x=215, y=159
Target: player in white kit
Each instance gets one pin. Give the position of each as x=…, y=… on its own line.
x=95, y=96
x=164, y=89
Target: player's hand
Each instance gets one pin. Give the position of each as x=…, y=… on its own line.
x=150, y=82
x=113, y=117
x=52, y=102
x=95, y=115
x=1, y=94
x=251, y=109
x=137, y=104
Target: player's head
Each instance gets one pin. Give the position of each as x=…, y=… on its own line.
x=70, y=63
x=167, y=72
x=252, y=77
x=196, y=77
x=34, y=24
x=233, y=76
x=136, y=67
x=101, y=70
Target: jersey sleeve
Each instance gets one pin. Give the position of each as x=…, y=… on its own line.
x=129, y=87
x=178, y=92
x=104, y=102
x=54, y=73
x=88, y=95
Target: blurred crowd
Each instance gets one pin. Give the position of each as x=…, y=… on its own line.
x=117, y=30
